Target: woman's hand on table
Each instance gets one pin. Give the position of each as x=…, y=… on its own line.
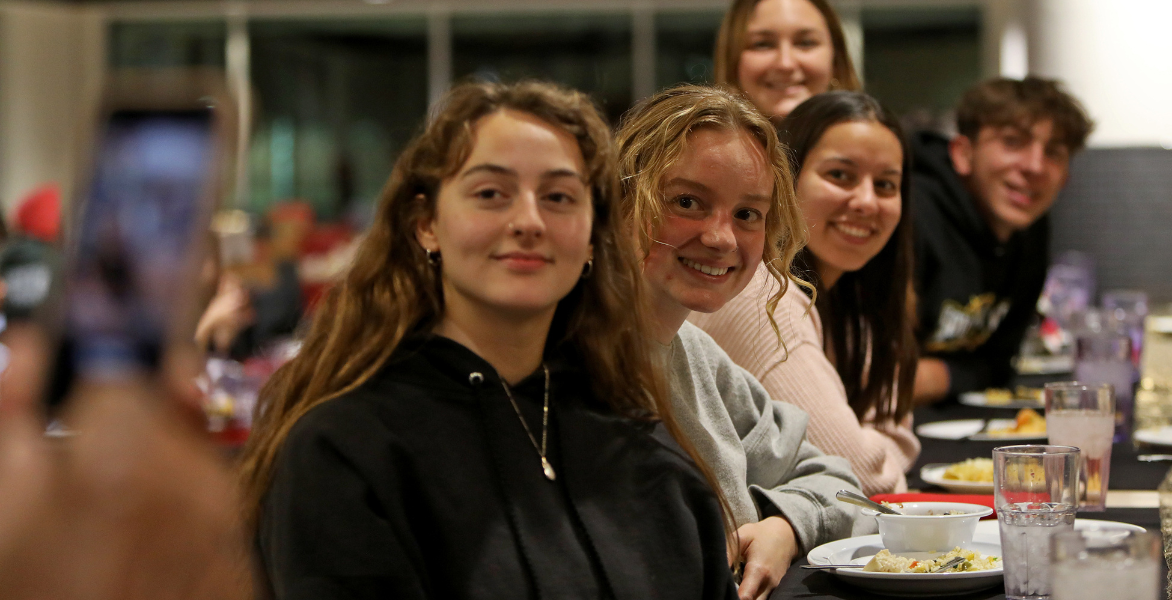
x=767, y=547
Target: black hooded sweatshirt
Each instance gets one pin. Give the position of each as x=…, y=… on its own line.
x=976, y=295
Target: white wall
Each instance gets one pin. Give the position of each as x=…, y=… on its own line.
x=51, y=62
x=1115, y=56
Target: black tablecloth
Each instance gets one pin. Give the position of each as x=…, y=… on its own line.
x=1127, y=473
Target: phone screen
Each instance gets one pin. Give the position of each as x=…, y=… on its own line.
x=139, y=224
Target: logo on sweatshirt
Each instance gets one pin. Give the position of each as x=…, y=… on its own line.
x=967, y=327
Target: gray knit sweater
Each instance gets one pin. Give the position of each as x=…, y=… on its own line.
x=756, y=447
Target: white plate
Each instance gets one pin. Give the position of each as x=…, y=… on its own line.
x=934, y=474
x=1161, y=436
x=989, y=528
x=971, y=429
x=859, y=550
x=978, y=399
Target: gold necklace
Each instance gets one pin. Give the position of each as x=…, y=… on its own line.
x=545, y=466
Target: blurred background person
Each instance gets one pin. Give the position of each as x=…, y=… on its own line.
x=781, y=52
x=983, y=237
x=849, y=359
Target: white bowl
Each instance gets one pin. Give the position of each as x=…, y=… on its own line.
x=927, y=526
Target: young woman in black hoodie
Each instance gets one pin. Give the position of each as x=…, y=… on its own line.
x=471, y=413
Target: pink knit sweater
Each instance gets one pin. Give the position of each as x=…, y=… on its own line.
x=879, y=453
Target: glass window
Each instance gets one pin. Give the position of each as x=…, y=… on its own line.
x=335, y=102
x=919, y=61
x=684, y=45
x=169, y=44
x=588, y=52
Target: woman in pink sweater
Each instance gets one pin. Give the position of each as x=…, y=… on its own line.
x=849, y=361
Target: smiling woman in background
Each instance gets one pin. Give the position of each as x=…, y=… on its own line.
x=471, y=413
x=850, y=362
x=707, y=188
x=781, y=52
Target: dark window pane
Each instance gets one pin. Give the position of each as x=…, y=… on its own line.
x=336, y=102
x=921, y=60
x=588, y=52
x=684, y=45
x=169, y=44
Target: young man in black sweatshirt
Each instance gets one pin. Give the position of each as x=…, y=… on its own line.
x=982, y=234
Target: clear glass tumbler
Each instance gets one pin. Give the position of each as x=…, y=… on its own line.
x=1102, y=354
x=1105, y=563
x=1083, y=416
x=1035, y=491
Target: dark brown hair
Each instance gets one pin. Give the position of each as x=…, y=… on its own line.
x=390, y=290
x=1021, y=103
x=730, y=42
x=867, y=317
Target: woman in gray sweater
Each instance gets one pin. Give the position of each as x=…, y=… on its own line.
x=707, y=187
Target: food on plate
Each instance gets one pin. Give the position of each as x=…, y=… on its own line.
x=973, y=469
x=998, y=396
x=1021, y=393
x=1028, y=422
x=1028, y=393
x=886, y=562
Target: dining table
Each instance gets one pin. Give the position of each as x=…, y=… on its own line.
x=1131, y=497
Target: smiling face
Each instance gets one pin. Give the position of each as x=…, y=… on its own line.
x=1014, y=174
x=513, y=224
x=713, y=232
x=850, y=194
x=788, y=56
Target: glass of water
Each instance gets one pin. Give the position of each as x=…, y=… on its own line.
x=1105, y=563
x=1083, y=416
x=1035, y=491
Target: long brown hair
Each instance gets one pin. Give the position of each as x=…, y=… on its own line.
x=868, y=322
x=391, y=290
x=730, y=42
x=654, y=134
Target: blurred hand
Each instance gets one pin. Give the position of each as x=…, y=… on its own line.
x=137, y=505
x=932, y=381
x=767, y=547
x=228, y=313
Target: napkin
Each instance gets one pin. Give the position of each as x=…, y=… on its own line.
x=982, y=499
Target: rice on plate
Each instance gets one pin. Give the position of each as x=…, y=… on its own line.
x=886, y=562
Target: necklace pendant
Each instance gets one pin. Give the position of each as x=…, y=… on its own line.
x=548, y=469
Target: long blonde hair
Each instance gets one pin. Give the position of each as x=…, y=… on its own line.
x=391, y=291
x=651, y=139
x=730, y=43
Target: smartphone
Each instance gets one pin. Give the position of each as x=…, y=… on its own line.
x=138, y=230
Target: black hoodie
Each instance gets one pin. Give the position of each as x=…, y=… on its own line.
x=976, y=295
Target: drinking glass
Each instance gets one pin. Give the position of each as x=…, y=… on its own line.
x=1102, y=354
x=1105, y=563
x=1129, y=307
x=1035, y=490
x=1083, y=416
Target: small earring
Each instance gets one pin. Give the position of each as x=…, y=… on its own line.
x=433, y=257
x=588, y=269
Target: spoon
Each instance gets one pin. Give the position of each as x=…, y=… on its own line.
x=852, y=498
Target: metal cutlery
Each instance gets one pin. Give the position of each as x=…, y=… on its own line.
x=956, y=560
x=852, y=498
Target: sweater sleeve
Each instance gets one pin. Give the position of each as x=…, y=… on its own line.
x=785, y=474
x=324, y=533
x=791, y=477
x=800, y=374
